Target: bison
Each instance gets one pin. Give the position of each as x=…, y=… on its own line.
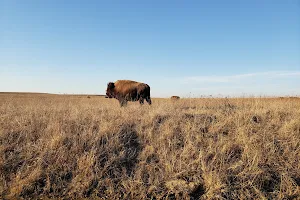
x=175, y=97
x=127, y=90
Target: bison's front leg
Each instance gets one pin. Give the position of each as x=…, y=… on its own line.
x=123, y=102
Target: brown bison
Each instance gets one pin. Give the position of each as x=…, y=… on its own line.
x=175, y=97
x=126, y=90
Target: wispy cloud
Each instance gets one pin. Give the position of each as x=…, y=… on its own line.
x=237, y=77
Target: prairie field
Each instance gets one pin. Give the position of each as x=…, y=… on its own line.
x=70, y=147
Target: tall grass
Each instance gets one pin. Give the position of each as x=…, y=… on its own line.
x=75, y=147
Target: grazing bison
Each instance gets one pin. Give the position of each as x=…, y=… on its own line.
x=175, y=97
x=126, y=90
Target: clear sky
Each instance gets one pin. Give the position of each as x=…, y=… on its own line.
x=186, y=48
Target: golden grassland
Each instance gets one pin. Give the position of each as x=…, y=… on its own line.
x=57, y=146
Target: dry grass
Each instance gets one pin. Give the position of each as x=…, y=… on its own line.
x=75, y=147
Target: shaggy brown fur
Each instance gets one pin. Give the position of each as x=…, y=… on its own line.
x=175, y=97
x=126, y=90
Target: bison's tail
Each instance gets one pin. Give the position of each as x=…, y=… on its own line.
x=148, y=90
x=148, y=98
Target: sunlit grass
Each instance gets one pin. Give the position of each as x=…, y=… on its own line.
x=74, y=146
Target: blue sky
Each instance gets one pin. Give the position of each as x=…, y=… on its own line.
x=186, y=48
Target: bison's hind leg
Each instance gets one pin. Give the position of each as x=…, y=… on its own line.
x=148, y=99
x=141, y=100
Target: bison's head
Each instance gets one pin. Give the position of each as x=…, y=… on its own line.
x=110, y=90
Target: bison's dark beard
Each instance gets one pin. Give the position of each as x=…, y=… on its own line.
x=109, y=95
